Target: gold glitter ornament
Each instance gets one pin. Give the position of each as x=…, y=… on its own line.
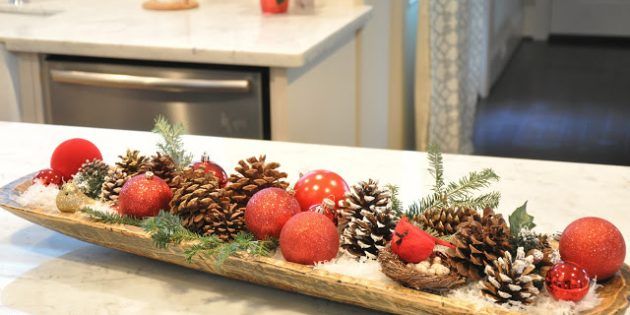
x=71, y=199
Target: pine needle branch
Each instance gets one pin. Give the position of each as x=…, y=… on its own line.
x=396, y=203
x=458, y=193
x=166, y=228
x=473, y=181
x=213, y=247
x=110, y=218
x=436, y=167
x=489, y=200
x=172, y=143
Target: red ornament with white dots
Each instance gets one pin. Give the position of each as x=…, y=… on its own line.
x=567, y=282
x=315, y=186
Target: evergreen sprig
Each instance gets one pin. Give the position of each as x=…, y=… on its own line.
x=396, y=203
x=172, y=143
x=110, y=218
x=166, y=229
x=458, y=193
x=212, y=246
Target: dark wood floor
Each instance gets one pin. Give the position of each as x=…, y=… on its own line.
x=560, y=100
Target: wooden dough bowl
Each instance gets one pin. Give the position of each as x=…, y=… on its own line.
x=279, y=274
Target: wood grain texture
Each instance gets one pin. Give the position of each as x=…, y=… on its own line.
x=275, y=273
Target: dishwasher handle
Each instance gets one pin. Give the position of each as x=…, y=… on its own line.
x=149, y=83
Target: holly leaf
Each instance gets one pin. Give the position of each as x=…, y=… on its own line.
x=520, y=219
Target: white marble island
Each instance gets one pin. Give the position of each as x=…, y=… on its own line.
x=311, y=57
x=44, y=272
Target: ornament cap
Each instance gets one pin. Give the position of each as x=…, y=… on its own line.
x=149, y=175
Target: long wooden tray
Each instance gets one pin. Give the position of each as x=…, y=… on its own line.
x=279, y=274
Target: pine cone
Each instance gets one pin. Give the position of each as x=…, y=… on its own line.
x=90, y=177
x=254, y=175
x=544, y=254
x=203, y=207
x=112, y=185
x=478, y=242
x=371, y=220
x=444, y=221
x=131, y=162
x=162, y=166
x=511, y=281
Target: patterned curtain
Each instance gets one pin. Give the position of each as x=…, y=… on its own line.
x=449, y=69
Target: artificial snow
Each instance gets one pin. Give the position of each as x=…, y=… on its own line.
x=39, y=195
x=348, y=266
x=102, y=207
x=544, y=304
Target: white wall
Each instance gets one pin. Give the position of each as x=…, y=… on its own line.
x=9, y=109
x=374, y=52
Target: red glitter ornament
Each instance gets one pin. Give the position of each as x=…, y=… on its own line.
x=48, y=177
x=567, y=281
x=594, y=244
x=309, y=237
x=144, y=195
x=71, y=154
x=410, y=243
x=314, y=186
x=209, y=166
x=268, y=210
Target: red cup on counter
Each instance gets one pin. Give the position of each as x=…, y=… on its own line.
x=274, y=6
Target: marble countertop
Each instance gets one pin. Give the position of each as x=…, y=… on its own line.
x=219, y=31
x=45, y=272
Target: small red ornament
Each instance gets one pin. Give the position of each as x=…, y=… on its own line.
x=314, y=186
x=209, y=166
x=410, y=243
x=71, y=154
x=567, y=281
x=327, y=208
x=49, y=177
x=309, y=237
x=268, y=210
x=594, y=244
x=144, y=195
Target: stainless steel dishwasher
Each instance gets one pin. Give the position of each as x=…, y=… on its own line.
x=128, y=94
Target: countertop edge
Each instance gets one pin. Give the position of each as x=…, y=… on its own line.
x=227, y=57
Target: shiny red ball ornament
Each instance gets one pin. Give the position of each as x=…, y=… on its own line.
x=327, y=208
x=48, y=177
x=594, y=244
x=209, y=166
x=309, y=237
x=314, y=186
x=567, y=282
x=411, y=243
x=71, y=154
x=144, y=195
x=268, y=210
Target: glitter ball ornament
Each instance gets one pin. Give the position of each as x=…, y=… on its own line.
x=567, y=281
x=144, y=195
x=71, y=154
x=71, y=199
x=268, y=210
x=313, y=187
x=594, y=244
x=48, y=177
x=309, y=237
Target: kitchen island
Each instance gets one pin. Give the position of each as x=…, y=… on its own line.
x=310, y=58
x=46, y=272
